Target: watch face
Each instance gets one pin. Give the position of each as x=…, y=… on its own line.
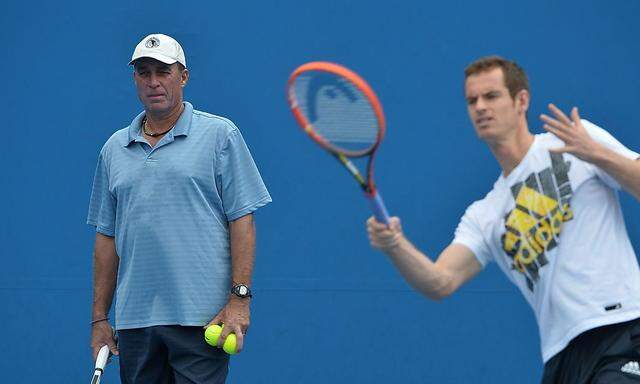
x=242, y=290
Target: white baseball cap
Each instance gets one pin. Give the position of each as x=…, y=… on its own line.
x=160, y=47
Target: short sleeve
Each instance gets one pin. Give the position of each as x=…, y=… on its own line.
x=469, y=234
x=239, y=181
x=605, y=138
x=102, y=206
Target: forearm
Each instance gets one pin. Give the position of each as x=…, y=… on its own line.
x=105, y=272
x=420, y=271
x=235, y=314
x=243, y=245
x=624, y=170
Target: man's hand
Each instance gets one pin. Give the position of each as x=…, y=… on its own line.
x=577, y=140
x=382, y=237
x=102, y=334
x=235, y=317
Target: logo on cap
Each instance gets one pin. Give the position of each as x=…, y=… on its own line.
x=152, y=42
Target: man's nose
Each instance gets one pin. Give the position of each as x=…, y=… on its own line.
x=153, y=80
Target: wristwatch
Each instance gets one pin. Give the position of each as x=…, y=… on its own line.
x=241, y=290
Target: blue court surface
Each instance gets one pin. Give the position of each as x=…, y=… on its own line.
x=327, y=307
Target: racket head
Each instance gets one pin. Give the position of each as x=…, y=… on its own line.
x=336, y=108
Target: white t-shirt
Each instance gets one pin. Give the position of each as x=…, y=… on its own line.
x=555, y=227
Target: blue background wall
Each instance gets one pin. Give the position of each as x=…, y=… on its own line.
x=328, y=309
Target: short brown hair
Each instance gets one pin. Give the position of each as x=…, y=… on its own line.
x=514, y=77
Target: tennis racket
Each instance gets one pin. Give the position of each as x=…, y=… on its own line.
x=341, y=113
x=101, y=361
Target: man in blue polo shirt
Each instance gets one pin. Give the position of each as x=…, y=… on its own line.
x=172, y=203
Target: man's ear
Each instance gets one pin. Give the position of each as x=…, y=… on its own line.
x=522, y=101
x=184, y=77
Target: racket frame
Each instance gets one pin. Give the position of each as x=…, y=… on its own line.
x=342, y=155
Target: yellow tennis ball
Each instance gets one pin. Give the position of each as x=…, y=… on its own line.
x=230, y=344
x=212, y=333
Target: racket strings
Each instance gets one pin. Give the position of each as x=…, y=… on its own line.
x=337, y=110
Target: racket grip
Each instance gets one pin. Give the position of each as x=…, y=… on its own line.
x=103, y=355
x=378, y=208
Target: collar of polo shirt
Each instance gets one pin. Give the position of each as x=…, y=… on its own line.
x=180, y=129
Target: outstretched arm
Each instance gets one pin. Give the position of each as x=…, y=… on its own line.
x=436, y=280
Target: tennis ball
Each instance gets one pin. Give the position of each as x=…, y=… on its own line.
x=212, y=333
x=230, y=344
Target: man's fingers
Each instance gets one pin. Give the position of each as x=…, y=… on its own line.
x=226, y=330
x=374, y=241
x=95, y=352
x=560, y=150
x=239, y=342
x=559, y=114
x=113, y=348
x=550, y=128
x=575, y=116
x=113, y=343
x=239, y=338
x=375, y=224
x=103, y=334
x=214, y=321
x=553, y=122
x=394, y=223
x=382, y=236
x=558, y=133
x=236, y=330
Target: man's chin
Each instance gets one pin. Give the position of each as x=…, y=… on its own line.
x=484, y=131
x=157, y=106
x=487, y=134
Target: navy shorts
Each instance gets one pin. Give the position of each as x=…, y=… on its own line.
x=604, y=355
x=170, y=354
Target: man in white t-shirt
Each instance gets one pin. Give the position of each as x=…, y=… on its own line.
x=552, y=223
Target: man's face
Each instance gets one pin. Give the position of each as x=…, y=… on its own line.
x=493, y=112
x=159, y=85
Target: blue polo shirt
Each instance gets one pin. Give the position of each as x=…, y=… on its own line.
x=168, y=208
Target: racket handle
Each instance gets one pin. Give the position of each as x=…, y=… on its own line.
x=378, y=208
x=103, y=355
x=101, y=361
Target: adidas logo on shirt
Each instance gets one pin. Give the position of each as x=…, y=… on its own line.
x=631, y=367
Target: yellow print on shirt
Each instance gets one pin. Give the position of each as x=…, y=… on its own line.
x=534, y=226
